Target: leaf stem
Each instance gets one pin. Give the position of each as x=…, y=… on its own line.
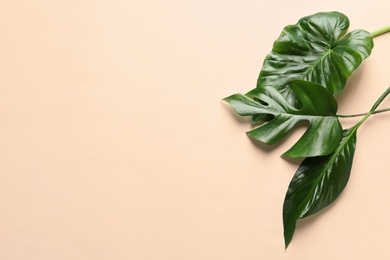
x=372, y=110
x=381, y=31
x=363, y=114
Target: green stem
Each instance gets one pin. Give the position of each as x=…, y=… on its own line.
x=372, y=110
x=381, y=31
x=363, y=114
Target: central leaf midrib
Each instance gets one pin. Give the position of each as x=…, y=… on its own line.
x=315, y=64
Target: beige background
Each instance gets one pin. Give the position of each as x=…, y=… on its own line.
x=114, y=143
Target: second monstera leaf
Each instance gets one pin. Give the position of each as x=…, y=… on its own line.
x=313, y=50
x=316, y=105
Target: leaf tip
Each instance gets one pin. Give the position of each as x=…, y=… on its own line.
x=291, y=154
x=287, y=239
x=286, y=243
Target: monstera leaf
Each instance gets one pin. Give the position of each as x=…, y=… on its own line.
x=313, y=50
x=317, y=106
x=317, y=183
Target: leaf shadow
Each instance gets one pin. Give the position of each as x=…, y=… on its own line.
x=304, y=223
x=263, y=146
x=295, y=161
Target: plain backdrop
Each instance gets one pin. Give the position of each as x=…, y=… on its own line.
x=114, y=142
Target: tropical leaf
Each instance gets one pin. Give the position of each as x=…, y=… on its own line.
x=317, y=106
x=313, y=50
x=317, y=183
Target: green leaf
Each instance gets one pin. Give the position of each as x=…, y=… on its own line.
x=317, y=106
x=317, y=183
x=313, y=50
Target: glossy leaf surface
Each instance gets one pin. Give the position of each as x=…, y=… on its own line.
x=313, y=50
x=317, y=183
x=317, y=106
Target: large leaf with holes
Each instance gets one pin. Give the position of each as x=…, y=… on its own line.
x=317, y=183
x=317, y=106
x=314, y=50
